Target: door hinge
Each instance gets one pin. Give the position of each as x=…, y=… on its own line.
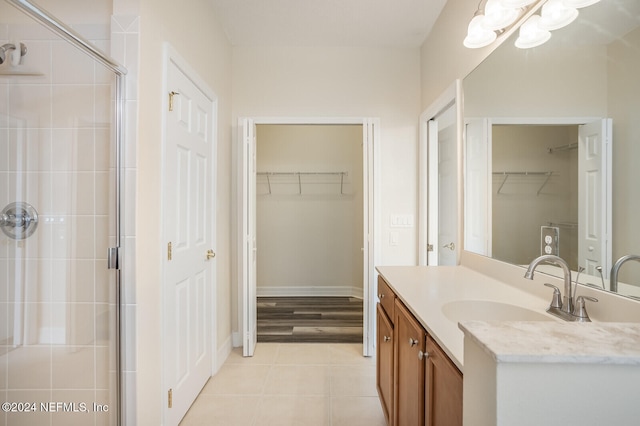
x=429, y=247
x=170, y=398
x=169, y=251
x=171, y=95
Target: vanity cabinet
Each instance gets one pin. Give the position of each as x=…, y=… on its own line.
x=384, y=362
x=409, y=368
x=417, y=383
x=443, y=390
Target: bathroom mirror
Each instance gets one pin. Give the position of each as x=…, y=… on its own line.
x=530, y=120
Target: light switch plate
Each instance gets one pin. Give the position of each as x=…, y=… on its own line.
x=401, y=221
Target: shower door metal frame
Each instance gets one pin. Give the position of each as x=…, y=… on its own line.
x=114, y=253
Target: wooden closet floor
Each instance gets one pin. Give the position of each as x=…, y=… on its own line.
x=310, y=319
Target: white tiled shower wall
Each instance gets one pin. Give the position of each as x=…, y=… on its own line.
x=58, y=126
x=124, y=49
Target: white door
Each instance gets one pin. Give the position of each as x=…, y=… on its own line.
x=477, y=186
x=370, y=136
x=431, y=247
x=249, y=314
x=594, y=188
x=439, y=166
x=189, y=222
x=447, y=188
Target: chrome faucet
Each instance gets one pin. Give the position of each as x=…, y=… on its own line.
x=567, y=305
x=613, y=281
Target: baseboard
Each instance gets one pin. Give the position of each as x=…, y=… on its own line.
x=236, y=339
x=311, y=291
x=222, y=354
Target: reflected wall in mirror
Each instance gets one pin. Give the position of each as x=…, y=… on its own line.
x=533, y=118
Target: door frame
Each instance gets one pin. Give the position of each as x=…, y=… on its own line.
x=370, y=149
x=171, y=55
x=428, y=175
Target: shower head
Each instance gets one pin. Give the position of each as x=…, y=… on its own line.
x=10, y=47
x=3, y=51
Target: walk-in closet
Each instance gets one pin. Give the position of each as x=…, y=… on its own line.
x=309, y=215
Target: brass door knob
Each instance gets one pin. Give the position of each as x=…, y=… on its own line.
x=210, y=254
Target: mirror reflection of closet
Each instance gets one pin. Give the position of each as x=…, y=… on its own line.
x=534, y=185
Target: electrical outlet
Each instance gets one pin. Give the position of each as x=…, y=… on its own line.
x=550, y=240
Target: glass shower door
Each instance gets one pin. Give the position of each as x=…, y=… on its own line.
x=58, y=347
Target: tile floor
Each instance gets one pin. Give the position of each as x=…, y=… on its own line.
x=291, y=384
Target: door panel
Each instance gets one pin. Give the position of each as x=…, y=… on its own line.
x=477, y=195
x=249, y=253
x=189, y=220
x=384, y=352
x=409, y=369
x=447, y=189
x=594, y=177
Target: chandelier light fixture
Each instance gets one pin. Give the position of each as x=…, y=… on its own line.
x=531, y=34
x=497, y=16
x=556, y=15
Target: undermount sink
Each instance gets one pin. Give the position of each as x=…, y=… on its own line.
x=486, y=310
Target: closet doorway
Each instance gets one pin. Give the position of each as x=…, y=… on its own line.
x=307, y=230
x=309, y=224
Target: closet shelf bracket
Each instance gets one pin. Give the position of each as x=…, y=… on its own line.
x=296, y=178
x=507, y=174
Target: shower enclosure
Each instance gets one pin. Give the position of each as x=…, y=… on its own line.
x=60, y=137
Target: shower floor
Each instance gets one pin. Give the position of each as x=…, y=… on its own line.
x=310, y=319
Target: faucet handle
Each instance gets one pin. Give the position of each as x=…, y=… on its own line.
x=580, y=310
x=556, y=302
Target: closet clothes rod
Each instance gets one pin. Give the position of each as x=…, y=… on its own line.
x=507, y=174
x=299, y=174
x=566, y=147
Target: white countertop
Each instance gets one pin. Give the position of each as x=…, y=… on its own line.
x=426, y=289
x=552, y=342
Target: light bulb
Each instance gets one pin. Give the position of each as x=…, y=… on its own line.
x=477, y=35
x=517, y=3
x=497, y=16
x=531, y=35
x=556, y=15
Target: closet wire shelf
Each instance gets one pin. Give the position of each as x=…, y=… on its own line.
x=297, y=177
x=546, y=175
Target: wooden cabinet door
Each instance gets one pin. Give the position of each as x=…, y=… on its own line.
x=384, y=363
x=409, y=369
x=443, y=389
x=387, y=297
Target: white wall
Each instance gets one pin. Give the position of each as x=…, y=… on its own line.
x=200, y=40
x=345, y=82
x=310, y=232
x=542, y=82
x=443, y=57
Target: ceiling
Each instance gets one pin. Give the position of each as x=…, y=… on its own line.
x=362, y=23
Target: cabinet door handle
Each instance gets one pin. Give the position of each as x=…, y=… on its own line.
x=412, y=342
x=381, y=296
x=423, y=355
x=386, y=338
